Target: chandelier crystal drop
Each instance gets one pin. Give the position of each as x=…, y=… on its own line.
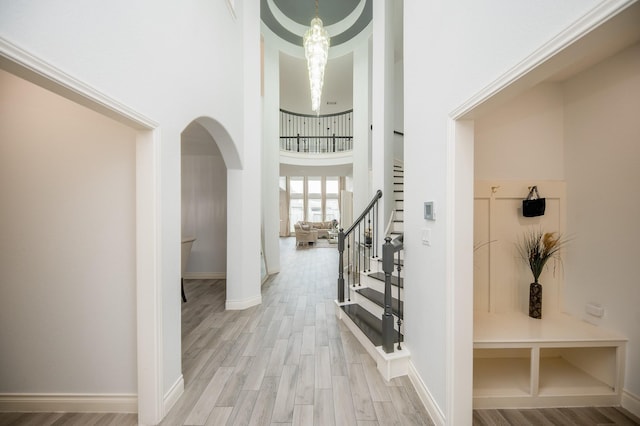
x=316, y=50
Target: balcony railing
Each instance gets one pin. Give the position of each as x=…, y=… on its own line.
x=316, y=144
x=312, y=134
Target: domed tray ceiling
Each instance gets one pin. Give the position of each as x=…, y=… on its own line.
x=301, y=12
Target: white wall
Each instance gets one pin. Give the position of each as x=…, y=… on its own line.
x=398, y=117
x=523, y=139
x=172, y=62
x=271, y=158
x=204, y=214
x=602, y=147
x=451, y=51
x=67, y=269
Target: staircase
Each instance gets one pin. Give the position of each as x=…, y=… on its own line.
x=372, y=307
x=397, y=224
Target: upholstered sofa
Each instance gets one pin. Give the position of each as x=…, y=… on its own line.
x=309, y=232
x=323, y=228
x=305, y=233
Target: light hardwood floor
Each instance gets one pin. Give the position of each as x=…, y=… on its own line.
x=289, y=361
x=286, y=361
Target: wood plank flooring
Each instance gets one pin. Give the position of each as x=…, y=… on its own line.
x=285, y=362
x=290, y=362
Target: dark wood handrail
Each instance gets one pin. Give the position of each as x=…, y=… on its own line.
x=314, y=115
x=367, y=209
x=317, y=137
x=370, y=244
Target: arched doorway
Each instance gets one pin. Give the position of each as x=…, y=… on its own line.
x=204, y=203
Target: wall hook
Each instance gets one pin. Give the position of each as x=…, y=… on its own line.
x=494, y=189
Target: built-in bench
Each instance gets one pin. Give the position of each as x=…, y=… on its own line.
x=557, y=361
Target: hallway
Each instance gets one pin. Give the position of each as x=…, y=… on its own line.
x=287, y=361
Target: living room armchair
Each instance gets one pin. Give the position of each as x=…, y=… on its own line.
x=305, y=233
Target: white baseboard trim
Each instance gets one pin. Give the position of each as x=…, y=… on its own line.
x=631, y=402
x=238, y=305
x=173, y=394
x=74, y=403
x=205, y=276
x=425, y=396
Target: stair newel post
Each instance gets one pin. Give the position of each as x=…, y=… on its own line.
x=298, y=142
x=399, y=347
x=387, y=317
x=341, y=265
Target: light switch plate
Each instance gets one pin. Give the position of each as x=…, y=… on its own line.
x=429, y=210
x=426, y=236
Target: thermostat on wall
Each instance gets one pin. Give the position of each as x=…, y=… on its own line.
x=429, y=211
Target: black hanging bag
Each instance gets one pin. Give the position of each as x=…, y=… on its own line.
x=533, y=205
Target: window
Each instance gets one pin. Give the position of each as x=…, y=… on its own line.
x=332, y=210
x=296, y=212
x=332, y=193
x=296, y=201
x=314, y=186
x=313, y=198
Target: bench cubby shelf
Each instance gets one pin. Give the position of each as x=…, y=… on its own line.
x=556, y=361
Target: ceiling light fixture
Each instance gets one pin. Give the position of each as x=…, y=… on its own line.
x=316, y=50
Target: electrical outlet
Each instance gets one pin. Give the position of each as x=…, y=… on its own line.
x=595, y=309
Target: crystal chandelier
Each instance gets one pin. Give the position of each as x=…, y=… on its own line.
x=316, y=50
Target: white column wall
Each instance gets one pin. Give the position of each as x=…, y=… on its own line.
x=382, y=108
x=361, y=123
x=271, y=157
x=398, y=118
x=243, y=260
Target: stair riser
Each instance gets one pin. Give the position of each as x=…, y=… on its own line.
x=377, y=267
x=379, y=286
x=391, y=365
x=395, y=263
x=398, y=227
x=399, y=204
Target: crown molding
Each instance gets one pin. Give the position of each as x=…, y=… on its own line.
x=26, y=65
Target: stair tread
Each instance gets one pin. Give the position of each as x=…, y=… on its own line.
x=378, y=298
x=380, y=277
x=370, y=325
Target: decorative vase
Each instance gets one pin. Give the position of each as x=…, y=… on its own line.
x=535, y=300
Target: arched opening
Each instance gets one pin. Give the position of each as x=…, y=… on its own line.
x=204, y=204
